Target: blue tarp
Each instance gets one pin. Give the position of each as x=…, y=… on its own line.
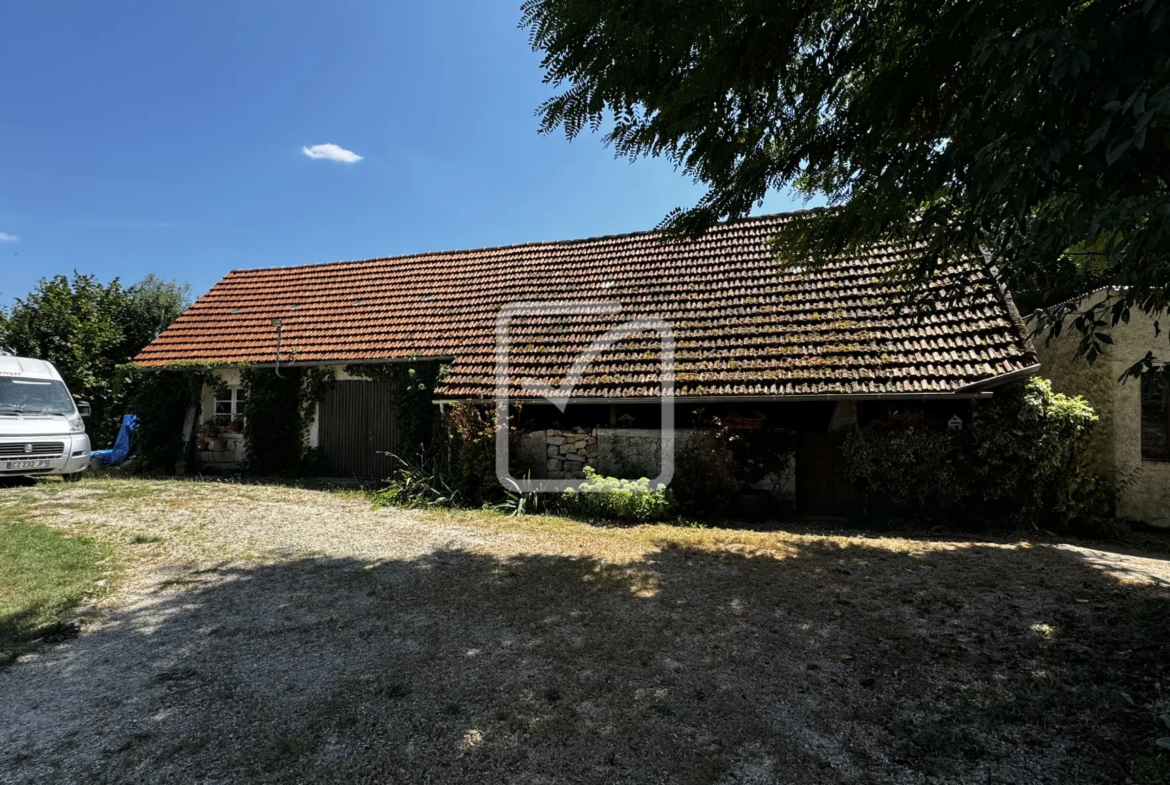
x=121, y=448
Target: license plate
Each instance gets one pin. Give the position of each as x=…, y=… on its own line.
x=28, y=465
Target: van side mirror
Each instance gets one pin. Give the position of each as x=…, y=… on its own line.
x=84, y=409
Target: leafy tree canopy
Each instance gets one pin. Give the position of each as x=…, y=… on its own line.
x=87, y=329
x=1035, y=132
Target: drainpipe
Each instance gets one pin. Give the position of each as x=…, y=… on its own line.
x=279, y=325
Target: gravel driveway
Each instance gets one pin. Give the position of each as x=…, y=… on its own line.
x=271, y=634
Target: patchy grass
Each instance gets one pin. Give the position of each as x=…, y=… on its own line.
x=44, y=573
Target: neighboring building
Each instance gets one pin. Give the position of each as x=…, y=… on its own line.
x=1133, y=435
x=811, y=351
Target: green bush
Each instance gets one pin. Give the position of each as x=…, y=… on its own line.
x=473, y=459
x=1031, y=456
x=712, y=466
x=279, y=411
x=917, y=473
x=1025, y=458
x=704, y=481
x=613, y=499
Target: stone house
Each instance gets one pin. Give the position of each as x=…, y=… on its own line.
x=695, y=329
x=1132, y=447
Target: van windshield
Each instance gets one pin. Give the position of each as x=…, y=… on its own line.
x=34, y=395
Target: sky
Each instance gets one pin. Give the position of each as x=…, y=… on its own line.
x=191, y=139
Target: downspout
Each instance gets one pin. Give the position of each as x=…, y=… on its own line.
x=279, y=325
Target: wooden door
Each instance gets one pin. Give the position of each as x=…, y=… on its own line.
x=821, y=487
x=358, y=428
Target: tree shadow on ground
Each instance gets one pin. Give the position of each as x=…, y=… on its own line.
x=823, y=662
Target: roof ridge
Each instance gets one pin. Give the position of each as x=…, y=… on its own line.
x=510, y=246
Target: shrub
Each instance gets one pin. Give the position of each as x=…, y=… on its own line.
x=160, y=399
x=759, y=453
x=1031, y=457
x=711, y=466
x=1025, y=457
x=613, y=499
x=279, y=411
x=914, y=473
x=704, y=480
x=473, y=469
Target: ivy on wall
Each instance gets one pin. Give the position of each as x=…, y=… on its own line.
x=160, y=399
x=279, y=411
x=421, y=429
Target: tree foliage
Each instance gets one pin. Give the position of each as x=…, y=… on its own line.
x=1037, y=132
x=87, y=329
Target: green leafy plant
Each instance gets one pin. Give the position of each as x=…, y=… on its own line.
x=279, y=412
x=1034, y=132
x=614, y=499
x=704, y=481
x=473, y=462
x=417, y=482
x=518, y=502
x=160, y=399
x=1031, y=454
x=1024, y=459
x=917, y=473
x=714, y=464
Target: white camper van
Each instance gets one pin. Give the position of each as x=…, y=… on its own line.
x=41, y=428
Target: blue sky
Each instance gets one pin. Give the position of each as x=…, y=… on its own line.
x=168, y=138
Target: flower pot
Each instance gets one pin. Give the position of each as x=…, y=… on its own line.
x=218, y=444
x=202, y=445
x=236, y=426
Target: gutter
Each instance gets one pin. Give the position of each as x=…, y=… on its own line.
x=1023, y=373
x=301, y=364
x=962, y=393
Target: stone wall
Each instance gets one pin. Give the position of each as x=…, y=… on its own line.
x=558, y=454
x=618, y=452
x=1142, y=487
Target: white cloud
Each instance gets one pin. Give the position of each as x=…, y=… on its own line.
x=332, y=152
x=8, y=238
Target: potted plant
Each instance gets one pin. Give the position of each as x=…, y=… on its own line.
x=236, y=426
x=207, y=432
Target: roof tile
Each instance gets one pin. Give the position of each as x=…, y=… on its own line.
x=742, y=324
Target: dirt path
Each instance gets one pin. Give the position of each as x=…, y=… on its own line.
x=280, y=635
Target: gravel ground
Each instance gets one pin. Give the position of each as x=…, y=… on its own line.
x=273, y=634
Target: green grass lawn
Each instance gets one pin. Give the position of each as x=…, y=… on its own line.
x=44, y=573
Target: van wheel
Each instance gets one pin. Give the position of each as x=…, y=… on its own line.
x=71, y=477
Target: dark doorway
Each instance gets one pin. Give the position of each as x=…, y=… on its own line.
x=358, y=428
x=821, y=487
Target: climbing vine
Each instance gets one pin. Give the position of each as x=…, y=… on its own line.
x=279, y=410
x=420, y=424
x=160, y=399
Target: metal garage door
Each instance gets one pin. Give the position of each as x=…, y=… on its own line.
x=358, y=427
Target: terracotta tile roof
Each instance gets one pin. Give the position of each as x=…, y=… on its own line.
x=742, y=326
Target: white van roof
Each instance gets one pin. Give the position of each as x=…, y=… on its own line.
x=28, y=368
